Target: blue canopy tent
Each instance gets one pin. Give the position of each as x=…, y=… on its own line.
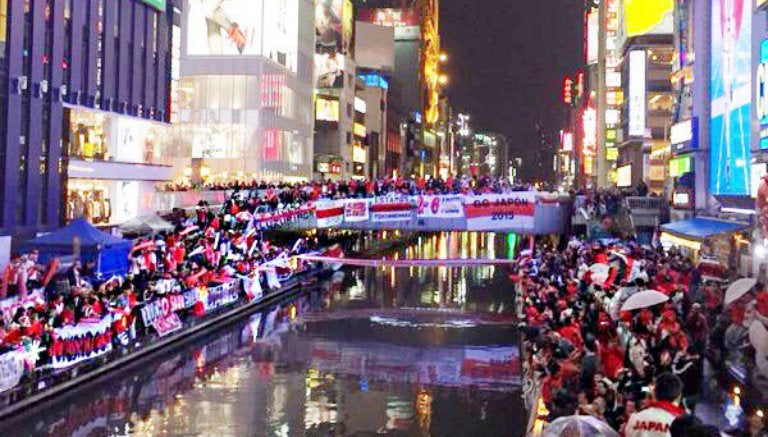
x=80, y=237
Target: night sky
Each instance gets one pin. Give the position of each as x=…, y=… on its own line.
x=507, y=61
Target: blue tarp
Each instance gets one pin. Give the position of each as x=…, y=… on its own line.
x=109, y=252
x=701, y=228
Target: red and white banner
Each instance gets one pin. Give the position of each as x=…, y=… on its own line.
x=81, y=342
x=329, y=213
x=448, y=206
x=501, y=211
x=396, y=210
x=356, y=210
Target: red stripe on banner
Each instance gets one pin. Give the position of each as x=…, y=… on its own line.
x=390, y=207
x=488, y=209
x=331, y=212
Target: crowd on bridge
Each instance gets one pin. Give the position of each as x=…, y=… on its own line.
x=639, y=367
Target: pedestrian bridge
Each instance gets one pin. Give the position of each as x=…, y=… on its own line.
x=523, y=212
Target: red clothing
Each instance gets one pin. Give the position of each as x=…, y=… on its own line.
x=612, y=360
x=572, y=334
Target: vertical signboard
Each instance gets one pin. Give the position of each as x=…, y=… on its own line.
x=730, y=97
x=761, y=94
x=637, y=61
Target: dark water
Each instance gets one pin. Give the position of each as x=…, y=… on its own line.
x=408, y=352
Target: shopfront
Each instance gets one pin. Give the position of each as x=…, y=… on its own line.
x=699, y=237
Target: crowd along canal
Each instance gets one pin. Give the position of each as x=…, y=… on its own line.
x=420, y=351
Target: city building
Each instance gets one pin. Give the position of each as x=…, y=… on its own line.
x=339, y=149
x=84, y=108
x=245, y=95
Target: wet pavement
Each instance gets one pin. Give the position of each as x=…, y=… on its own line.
x=400, y=352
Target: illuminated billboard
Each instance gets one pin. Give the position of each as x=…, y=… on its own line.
x=761, y=94
x=329, y=70
x=224, y=28
x=334, y=26
x=592, y=33
x=624, y=176
x=730, y=97
x=637, y=93
x=644, y=17
x=326, y=109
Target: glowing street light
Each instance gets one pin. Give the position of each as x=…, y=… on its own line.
x=443, y=79
x=443, y=57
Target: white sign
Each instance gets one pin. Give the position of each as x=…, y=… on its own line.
x=356, y=210
x=681, y=132
x=514, y=211
x=360, y=105
x=624, y=176
x=637, y=92
x=11, y=370
x=440, y=206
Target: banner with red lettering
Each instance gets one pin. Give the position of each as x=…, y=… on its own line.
x=356, y=210
x=514, y=211
x=329, y=213
x=81, y=342
x=161, y=313
x=446, y=206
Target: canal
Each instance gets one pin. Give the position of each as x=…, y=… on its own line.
x=420, y=351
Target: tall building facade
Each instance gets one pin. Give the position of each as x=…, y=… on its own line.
x=77, y=78
x=245, y=93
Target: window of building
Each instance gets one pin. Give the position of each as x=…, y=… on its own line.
x=349, y=137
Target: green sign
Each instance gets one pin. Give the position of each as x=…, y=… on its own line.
x=680, y=166
x=157, y=4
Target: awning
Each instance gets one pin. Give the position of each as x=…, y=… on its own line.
x=698, y=229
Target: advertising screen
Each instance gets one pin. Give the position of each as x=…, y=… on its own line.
x=329, y=26
x=329, y=70
x=730, y=97
x=643, y=17
x=224, y=28
x=637, y=93
x=389, y=17
x=761, y=94
x=326, y=109
x=593, y=28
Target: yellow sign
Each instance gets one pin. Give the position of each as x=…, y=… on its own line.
x=359, y=129
x=642, y=17
x=612, y=154
x=326, y=109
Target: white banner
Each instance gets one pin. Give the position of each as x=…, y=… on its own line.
x=11, y=370
x=447, y=206
x=329, y=213
x=356, y=210
x=514, y=211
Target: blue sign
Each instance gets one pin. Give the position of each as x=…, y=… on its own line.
x=730, y=97
x=374, y=80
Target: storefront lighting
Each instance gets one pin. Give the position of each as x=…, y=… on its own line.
x=674, y=240
x=205, y=171
x=187, y=171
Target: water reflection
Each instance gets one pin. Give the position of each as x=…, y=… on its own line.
x=427, y=352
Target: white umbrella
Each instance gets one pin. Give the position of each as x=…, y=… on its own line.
x=738, y=289
x=578, y=426
x=644, y=299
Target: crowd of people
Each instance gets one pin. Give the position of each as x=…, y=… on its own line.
x=369, y=187
x=640, y=371
x=216, y=245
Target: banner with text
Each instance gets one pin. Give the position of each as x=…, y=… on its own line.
x=81, y=342
x=11, y=370
x=514, y=211
x=446, y=206
x=356, y=210
x=392, y=209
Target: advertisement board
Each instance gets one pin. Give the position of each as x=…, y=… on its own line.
x=730, y=97
x=224, y=28
x=329, y=213
x=589, y=125
x=500, y=211
x=329, y=26
x=326, y=109
x=637, y=91
x=329, y=70
x=624, y=176
x=593, y=29
x=356, y=210
x=447, y=206
x=645, y=17
x=684, y=135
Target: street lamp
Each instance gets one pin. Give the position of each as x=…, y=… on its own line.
x=442, y=80
x=443, y=57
